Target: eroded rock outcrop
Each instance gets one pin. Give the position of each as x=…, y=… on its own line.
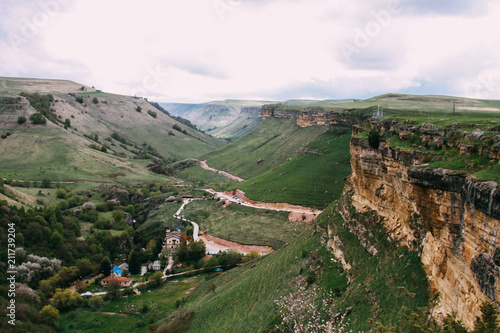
x=311, y=116
x=449, y=218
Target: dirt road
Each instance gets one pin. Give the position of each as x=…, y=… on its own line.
x=204, y=165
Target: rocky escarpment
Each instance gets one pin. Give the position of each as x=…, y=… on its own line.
x=451, y=219
x=310, y=116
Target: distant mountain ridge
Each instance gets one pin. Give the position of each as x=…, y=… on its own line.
x=232, y=119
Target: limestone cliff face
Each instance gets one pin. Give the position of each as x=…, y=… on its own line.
x=452, y=220
x=311, y=116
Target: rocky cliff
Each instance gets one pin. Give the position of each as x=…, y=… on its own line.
x=312, y=115
x=448, y=217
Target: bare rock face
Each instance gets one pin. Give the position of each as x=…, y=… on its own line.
x=451, y=220
x=313, y=116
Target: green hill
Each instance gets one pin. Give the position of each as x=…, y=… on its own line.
x=132, y=131
x=315, y=178
x=272, y=143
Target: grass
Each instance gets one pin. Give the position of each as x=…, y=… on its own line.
x=381, y=285
x=207, y=178
x=314, y=179
x=243, y=224
x=420, y=102
x=244, y=297
x=125, y=313
x=269, y=145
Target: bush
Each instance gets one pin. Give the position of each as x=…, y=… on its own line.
x=37, y=118
x=139, y=109
x=374, y=139
x=152, y=113
x=95, y=100
x=61, y=194
x=21, y=120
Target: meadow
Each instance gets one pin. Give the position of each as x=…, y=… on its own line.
x=313, y=179
x=268, y=146
x=243, y=224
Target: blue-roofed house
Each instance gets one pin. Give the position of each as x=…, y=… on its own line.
x=116, y=272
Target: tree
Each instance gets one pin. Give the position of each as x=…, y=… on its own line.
x=21, y=120
x=65, y=300
x=189, y=230
x=300, y=312
x=113, y=289
x=156, y=279
x=50, y=315
x=95, y=100
x=196, y=250
x=46, y=183
x=95, y=302
x=134, y=263
x=138, y=109
x=56, y=239
x=230, y=258
x=488, y=323
x=105, y=267
x=67, y=123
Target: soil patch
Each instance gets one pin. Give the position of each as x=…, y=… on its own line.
x=224, y=244
x=301, y=217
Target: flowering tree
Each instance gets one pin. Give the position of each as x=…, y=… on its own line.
x=303, y=312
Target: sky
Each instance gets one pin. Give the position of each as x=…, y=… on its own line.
x=204, y=50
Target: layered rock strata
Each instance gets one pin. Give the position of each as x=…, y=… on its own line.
x=313, y=116
x=450, y=219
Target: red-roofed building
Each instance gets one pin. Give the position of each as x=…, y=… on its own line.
x=124, y=282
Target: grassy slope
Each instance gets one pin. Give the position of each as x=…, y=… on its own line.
x=204, y=177
x=274, y=141
x=243, y=224
x=310, y=180
x=381, y=285
x=244, y=297
x=49, y=151
x=37, y=152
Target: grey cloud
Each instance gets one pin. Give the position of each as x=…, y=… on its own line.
x=444, y=7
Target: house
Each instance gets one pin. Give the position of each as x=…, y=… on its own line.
x=188, y=196
x=124, y=282
x=116, y=272
x=123, y=267
x=156, y=265
x=173, y=239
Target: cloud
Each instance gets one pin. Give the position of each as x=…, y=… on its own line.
x=202, y=50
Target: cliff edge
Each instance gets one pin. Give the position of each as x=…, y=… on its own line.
x=450, y=217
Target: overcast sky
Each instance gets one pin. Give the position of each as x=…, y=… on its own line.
x=203, y=50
